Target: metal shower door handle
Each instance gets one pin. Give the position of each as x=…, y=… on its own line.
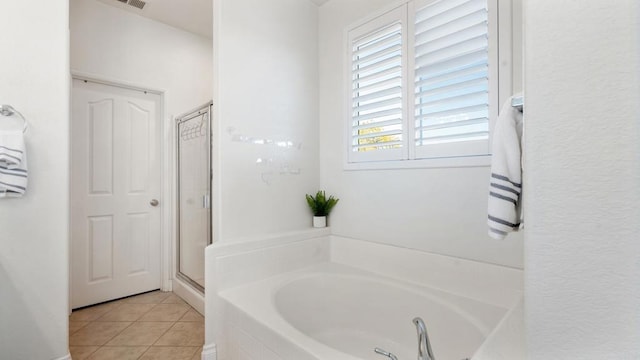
x=154, y=202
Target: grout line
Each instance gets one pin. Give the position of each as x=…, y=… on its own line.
x=93, y=352
x=131, y=323
x=119, y=332
x=148, y=311
x=144, y=352
x=166, y=331
x=80, y=328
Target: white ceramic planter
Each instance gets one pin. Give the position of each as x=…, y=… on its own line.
x=319, y=221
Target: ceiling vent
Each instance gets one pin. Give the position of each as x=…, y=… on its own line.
x=135, y=3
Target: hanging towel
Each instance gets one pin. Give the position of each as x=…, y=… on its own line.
x=13, y=164
x=505, y=190
x=11, y=148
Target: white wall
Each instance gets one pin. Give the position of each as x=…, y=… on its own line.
x=438, y=210
x=266, y=81
x=34, y=230
x=114, y=44
x=583, y=174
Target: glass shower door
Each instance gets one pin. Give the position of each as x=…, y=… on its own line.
x=194, y=194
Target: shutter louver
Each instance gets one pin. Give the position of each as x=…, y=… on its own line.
x=377, y=97
x=451, y=79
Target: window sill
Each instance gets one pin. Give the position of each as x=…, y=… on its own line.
x=452, y=162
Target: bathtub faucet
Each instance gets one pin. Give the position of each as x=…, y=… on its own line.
x=385, y=353
x=424, y=346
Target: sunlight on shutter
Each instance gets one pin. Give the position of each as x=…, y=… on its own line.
x=377, y=90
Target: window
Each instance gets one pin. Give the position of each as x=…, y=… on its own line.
x=423, y=82
x=378, y=70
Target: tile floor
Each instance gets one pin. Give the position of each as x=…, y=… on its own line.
x=155, y=326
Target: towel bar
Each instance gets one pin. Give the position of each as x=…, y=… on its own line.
x=517, y=102
x=8, y=110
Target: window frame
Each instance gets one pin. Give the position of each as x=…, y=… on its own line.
x=500, y=87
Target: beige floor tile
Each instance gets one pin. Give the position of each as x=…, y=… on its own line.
x=173, y=299
x=192, y=316
x=154, y=297
x=140, y=333
x=94, y=312
x=82, y=352
x=97, y=333
x=183, y=334
x=76, y=325
x=166, y=312
x=197, y=355
x=126, y=312
x=155, y=315
x=118, y=353
x=169, y=353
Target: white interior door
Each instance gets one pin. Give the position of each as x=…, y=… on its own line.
x=115, y=215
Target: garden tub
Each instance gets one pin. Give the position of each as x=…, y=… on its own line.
x=331, y=311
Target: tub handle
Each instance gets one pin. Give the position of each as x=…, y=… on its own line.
x=385, y=353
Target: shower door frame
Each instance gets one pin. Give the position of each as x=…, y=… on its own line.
x=199, y=111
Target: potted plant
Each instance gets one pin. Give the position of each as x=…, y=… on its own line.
x=321, y=207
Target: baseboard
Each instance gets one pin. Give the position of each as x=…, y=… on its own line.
x=210, y=352
x=66, y=357
x=189, y=294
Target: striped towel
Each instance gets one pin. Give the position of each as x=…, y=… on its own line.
x=505, y=191
x=13, y=164
x=11, y=149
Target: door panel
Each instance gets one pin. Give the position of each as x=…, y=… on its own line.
x=100, y=248
x=101, y=146
x=138, y=256
x=138, y=148
x=115, y=175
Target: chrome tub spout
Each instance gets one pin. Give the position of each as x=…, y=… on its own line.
x=424, y=345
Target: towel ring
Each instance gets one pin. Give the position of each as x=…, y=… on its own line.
x=8, y=110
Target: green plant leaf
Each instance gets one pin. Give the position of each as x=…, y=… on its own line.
x=312, y=203
x=320, y=205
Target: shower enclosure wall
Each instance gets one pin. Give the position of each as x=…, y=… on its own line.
x=193, y=194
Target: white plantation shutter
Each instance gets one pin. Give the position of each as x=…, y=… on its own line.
x=377, y=106
x=451, y=79
x=423, y=84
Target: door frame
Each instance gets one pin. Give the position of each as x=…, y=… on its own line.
x=166, y=170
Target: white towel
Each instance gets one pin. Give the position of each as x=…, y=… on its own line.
x=11, y=148
x=505, y=191
x=13, y=164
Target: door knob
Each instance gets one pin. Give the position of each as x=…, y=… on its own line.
x=154, y=202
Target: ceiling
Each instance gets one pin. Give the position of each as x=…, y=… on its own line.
x=195, y=16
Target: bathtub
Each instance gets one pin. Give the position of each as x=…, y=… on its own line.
x=310, y=295
x=332, y=311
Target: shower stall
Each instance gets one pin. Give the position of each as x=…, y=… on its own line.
x=193, y=131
